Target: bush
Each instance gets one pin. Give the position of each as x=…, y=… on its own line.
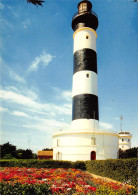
x=79, y=165
x=130, y=153
x=36, y=163
x=123, y=170
x=20, y=189
x=8, y=156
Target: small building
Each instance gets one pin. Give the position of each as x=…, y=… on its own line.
x=45, y=155
x=125, y=140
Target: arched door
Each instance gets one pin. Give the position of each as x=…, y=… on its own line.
x=93, y=155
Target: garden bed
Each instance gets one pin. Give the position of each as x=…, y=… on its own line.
x=15, y=180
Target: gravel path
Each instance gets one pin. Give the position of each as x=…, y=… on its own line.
x=108, y=179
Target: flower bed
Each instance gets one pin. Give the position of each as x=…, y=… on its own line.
x=16, y=180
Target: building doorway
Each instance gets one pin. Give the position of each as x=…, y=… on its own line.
x=93, y=155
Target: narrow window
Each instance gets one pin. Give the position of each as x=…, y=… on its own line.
x=87, y=37
x=122, y=140
x=58, y=142
x=93, y=141
x=87, y=75
x=58, y=156
x=128, y=140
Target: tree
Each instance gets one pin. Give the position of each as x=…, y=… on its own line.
x=36, y=2
x=28, y=154
x=130, y=153
x=8, y=149
x=24, y=154
x=47, y=149
x=8, y=156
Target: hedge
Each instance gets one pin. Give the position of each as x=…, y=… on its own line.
x=42, y=163
x=35, y=163
x=123, y=170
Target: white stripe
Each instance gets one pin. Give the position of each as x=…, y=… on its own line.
x=85, y=124
x=83, y=84
x=80, y=41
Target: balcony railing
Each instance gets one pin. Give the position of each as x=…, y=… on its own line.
x=84, y=12
x=124, y=132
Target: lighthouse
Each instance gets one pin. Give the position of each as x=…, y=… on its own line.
x=84, y=140
x=85, y=98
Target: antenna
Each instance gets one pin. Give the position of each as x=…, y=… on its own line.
x=121, y=118
x=29, y=140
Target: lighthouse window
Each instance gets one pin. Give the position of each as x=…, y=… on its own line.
x=83, y=7
x=128, y=140
x=93, y=141
x=87, y=75
x=122, y=140
x=87, y=37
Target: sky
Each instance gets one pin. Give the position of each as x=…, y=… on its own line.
x=36, y=67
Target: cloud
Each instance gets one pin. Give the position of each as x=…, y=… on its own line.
x=23, y=91
x=1, y=6
x=26, y=23
x=49, y=125
x=5, y=22
x=64, y=94
x=40, y=116
x=13, y=11
x=18, y=113
x=16, y=77
x=67, y=95
x=3, y=109
x=43, y=60
x=105, y=125
x=18, y=98
x=117, y=118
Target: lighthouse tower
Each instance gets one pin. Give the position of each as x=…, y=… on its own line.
x=85, y=98
x=85, y=141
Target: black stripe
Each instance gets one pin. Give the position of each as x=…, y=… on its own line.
x=85, y=106
x=85, y=20
x=85, y=59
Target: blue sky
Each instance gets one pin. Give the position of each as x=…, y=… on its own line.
x=36, y=59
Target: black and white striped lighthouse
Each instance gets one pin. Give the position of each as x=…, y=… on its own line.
x=85, y=113
x=85, y=141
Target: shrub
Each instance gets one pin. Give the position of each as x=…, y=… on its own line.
x=130, y=153
x=79, y=165
x=20, y=189
x=123, y=170
x=36, y=163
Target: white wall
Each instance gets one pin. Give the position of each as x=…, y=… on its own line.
x=83, y=84
x=124, y=142
x=78, y=146
x=80, y=41
x=85, y=124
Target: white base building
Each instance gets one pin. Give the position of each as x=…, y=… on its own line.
x=82, y=145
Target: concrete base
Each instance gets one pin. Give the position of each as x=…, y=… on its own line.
x=74, y=145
